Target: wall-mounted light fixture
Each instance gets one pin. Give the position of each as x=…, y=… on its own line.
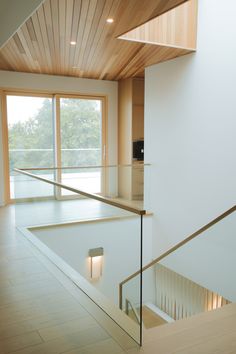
x=96, y=255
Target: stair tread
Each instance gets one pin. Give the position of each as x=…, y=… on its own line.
x=151, y=319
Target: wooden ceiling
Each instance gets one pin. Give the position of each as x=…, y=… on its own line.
x=42, y=44
x=176, y=28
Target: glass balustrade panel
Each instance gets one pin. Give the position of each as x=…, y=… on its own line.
x=94, y=243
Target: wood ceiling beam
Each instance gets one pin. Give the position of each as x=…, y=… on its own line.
x=175, y=28
x=138, y=12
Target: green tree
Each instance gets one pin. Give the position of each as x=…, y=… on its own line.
x=80, y=129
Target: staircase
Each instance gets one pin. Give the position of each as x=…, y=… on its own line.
x=192, y=283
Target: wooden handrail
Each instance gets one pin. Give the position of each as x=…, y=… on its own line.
x=134, y=165
x=180, y=244
x=86, y=194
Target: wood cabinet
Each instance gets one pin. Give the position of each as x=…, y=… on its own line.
x=130, y=128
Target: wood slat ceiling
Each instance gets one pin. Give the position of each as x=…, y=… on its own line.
x=42, y=44
x=176, y=28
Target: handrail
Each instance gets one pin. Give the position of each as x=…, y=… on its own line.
x=80, y=149
x=80, y=167
x=86, y=194
x=180, y=244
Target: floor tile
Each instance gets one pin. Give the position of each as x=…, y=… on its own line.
x=108, y=346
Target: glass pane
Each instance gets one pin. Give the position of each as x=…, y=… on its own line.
x=122, y=185
x=30, y=134
x=86, y=179
x=81, y=140
x=71, y=232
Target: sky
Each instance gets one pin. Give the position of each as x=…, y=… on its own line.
x=21, y=108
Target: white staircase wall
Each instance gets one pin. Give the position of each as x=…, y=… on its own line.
x=120, y=239
x=190, y=125
x=1, y=162
x=209, y=259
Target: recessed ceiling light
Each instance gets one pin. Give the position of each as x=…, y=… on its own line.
x=72, y=42
x=110, y=20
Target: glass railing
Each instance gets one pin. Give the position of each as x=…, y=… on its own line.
x=198, y=275
x=83, y=220
x=118, y=184
x=45, y=157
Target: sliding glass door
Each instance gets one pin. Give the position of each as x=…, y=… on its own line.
x=30, y=142
x=55, y=131
x=81, y=143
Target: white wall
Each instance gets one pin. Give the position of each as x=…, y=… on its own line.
x=12, y=14
x=190, y=129
x=56, y=84
x=1, y=163
x=209, y=260
x=120, y=239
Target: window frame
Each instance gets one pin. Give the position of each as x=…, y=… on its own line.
x=55, y=96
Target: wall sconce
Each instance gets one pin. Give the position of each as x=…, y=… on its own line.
x=95, y=255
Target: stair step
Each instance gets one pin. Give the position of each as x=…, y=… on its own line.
x=151, y=319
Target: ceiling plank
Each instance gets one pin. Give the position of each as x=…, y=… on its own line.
x=74, y=30
x=39, y=43
x=43, y=29
x=62, y=32
x=89, y=21
x=104, y=34
x=93, y=30
x=68, y=39
x=55, y=32
x=82, y=24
